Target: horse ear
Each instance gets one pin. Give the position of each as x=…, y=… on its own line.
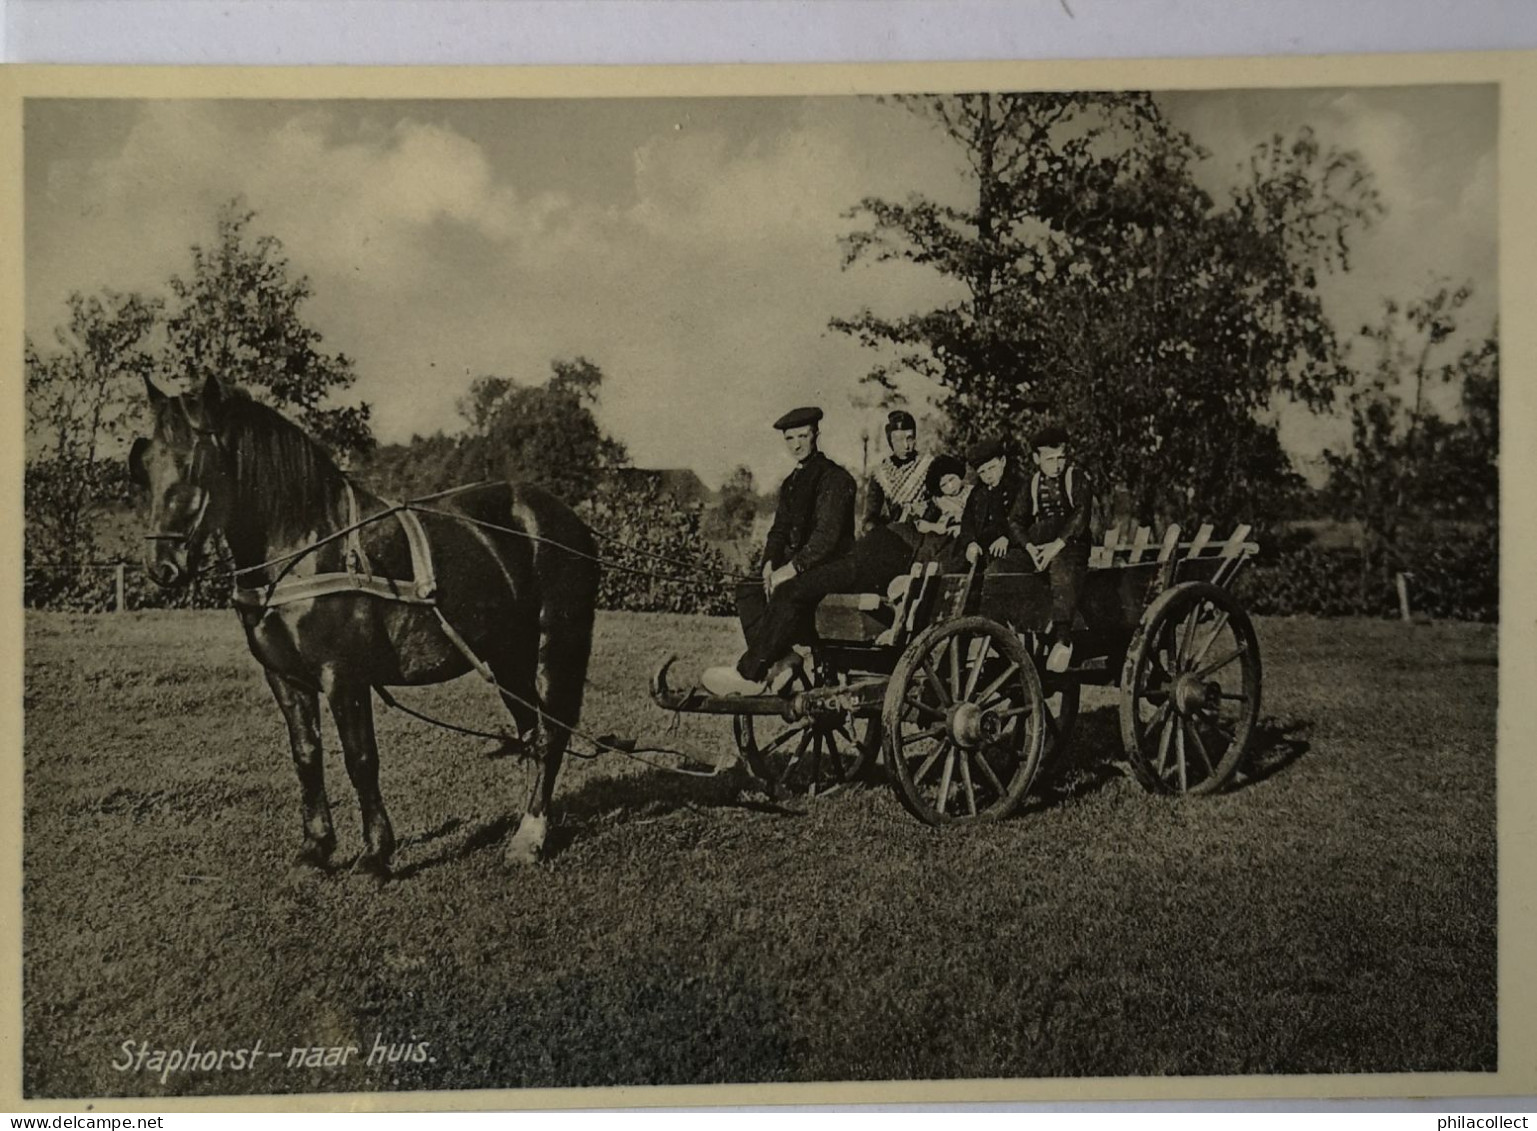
x=136, y=471
x=156, y=397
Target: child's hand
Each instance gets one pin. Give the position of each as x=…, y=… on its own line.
x=999, y=547
x=1050, y=551
x=1036, y=555
x=973, y=552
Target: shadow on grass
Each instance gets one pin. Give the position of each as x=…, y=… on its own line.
x=656, y=794
x=481, y=837
x=1095, y=758
x=1091, y=761
x=1273, y=747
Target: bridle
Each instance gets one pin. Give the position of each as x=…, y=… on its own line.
x=205, y=444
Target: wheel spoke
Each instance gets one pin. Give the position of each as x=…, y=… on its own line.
x=971, y=796
x=1187, y=636
x=1218, y=665
x=955, y=669
x=928, y=763
x=976, y=667
x=1234, y=696
x=992, y=688
x=800, y=752
x=1179, y=746
x=1200, y=748
x=1158, y=716
x=924, y=735
x=944, y=780
x=1163, y=749
x=936, y=683
x=1215, y=726
x=989, y=773
x=785, y=735
x=923, y=708
x=1210, y=640
x=1013, y=712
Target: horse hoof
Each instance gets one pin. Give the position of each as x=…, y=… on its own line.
x=527, y=846
x=374, y=868
x=309, y=863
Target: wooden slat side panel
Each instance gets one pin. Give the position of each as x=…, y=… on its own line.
x=1170, y=542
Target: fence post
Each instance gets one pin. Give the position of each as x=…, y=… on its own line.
x=1403, y=597
x=121, y=605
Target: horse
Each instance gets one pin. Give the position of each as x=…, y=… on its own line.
x=515, y=573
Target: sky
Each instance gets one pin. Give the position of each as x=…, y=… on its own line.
x=689, y=247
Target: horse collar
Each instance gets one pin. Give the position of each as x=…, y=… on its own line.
x=358, y=576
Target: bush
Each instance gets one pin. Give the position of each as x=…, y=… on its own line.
x=1455, y=575
x=655, y=557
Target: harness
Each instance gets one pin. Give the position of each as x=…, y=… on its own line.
x=359, y=576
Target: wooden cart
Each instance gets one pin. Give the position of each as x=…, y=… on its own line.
x=947, y=683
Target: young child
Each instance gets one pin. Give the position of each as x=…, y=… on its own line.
x=1051, y=520
x=940, y=524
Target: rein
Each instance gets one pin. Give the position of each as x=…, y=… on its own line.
x=422, y=591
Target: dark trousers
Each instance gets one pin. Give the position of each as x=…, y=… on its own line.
x=1066, y=574
x=771, y=625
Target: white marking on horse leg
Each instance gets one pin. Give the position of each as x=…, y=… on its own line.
x=527, y=844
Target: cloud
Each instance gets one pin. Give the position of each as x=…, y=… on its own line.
x=702, y=284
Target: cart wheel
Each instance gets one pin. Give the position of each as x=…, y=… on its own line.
x=1190, y=690
x=964, y=722
x=810, y=757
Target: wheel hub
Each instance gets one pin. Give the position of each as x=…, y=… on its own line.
x=970, y=726
x=1192, y=695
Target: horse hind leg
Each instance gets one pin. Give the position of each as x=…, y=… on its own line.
x=353, y=709
x=516, y=672
x=566, y=644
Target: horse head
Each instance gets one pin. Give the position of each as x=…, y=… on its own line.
x=183, y=469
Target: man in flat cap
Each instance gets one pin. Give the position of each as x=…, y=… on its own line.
x=813, y=528
x=897, y=491
x=985, y=524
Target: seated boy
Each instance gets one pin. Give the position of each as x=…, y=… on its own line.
x=1051, y=520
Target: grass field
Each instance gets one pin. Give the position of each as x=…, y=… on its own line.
x=1335, y=913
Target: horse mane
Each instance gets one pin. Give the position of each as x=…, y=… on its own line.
x=285, y=482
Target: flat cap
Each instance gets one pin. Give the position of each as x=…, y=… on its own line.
x=1051, y=436
x=798, y=418
x=984, y=451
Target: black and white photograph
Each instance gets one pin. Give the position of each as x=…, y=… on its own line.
x=946, y=578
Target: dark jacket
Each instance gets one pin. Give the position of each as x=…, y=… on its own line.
x=1045, y=511
x=814, y=521
x=986, y=518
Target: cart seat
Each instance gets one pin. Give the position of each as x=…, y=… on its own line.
x=857, y=617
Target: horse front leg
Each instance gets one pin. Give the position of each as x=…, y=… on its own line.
x=301, y=711
x=353, y=709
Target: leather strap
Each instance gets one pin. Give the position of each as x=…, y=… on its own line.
x=359, y=578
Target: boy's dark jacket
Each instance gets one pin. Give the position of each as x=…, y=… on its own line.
x=988, y=510
x=1025, y=527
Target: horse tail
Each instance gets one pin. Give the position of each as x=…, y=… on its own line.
x=565, y=563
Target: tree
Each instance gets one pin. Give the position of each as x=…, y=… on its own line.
x=544, y=434
x=82, y=399
x=1407, y=463
x=1100, y=286
x=733, y=516
x=238, y=317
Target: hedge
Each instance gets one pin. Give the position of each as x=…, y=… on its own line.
x=663, y=565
